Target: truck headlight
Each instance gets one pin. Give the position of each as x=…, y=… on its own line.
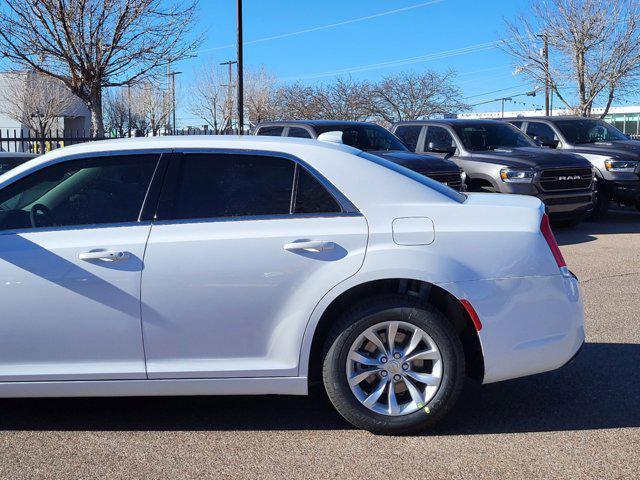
x=512, y=175
x=620, y=165
x=463, y=176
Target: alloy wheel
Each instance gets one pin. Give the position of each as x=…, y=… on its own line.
x=394, y=368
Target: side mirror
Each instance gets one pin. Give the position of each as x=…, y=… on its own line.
x=331, y=137
x=546, y=142
x=440, y=148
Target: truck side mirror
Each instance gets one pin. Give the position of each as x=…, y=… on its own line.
x=441, y=148
x=546, y=142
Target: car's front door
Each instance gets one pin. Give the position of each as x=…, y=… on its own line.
x=244, y=248
x=71, y=256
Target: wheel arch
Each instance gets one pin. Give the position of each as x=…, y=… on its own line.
x=425, y=291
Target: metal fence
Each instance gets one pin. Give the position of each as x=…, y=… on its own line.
x=23, y=140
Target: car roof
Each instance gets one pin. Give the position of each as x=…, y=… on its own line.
x=17, y=155
x=452, y=121
x=313, y=123
x=548, y=119
x=223, y=142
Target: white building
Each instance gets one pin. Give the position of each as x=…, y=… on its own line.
x=626, y=119
x=74, y=120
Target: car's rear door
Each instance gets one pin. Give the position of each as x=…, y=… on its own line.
x=244, y=247
x=71, y=257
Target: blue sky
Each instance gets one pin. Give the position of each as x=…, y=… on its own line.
x=432, y=35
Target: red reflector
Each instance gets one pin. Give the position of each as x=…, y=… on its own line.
x=472, y=313
x=545, y=228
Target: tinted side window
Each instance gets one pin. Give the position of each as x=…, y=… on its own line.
x=79, y=192
x=270, y=131
x=516, y=124
x=409, y=135
x=312, y=197
x=225, y=185
x=297, y=132
x=540, y=130
x=440, y=138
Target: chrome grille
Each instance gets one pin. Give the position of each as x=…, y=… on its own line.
x=566, y=179
x=451, y=179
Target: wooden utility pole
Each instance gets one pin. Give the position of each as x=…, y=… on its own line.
x=547, y=83
x=240, y=70
x=229, y=86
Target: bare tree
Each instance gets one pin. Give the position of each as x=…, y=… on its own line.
x=296, y=102
x=151, y=108
x=92, y=44
x=36, y=101
x=209, y=99
x=260, y=96
x=344, y=99
x=117, y=111
x=413, y=96
x=594, y=49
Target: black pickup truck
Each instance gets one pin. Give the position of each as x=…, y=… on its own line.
x=499, y=158
x=373, y=139
x=615, y=158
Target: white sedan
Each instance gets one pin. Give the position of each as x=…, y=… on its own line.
x=256, y=265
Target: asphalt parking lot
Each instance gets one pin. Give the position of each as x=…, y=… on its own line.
x=580, y=422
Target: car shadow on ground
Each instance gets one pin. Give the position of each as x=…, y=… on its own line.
x=598, y=390
x=618, y=220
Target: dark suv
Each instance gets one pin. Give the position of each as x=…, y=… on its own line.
x=370, y=138
x=499, y=158
x=9, y=160
x=615, y=157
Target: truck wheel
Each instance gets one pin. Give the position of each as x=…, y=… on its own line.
x=393, y=366
x=601, y=204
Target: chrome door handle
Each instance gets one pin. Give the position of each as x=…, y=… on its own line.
x=309, y=246
x=104, y=255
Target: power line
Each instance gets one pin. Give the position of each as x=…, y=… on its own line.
x=493, y=91
x=404, y=61
x=325, y=27
x=501, y=67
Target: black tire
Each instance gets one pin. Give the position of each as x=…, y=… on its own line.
x=601, y=203
x=376, y=310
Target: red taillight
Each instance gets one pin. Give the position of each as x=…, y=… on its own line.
x=545, y=228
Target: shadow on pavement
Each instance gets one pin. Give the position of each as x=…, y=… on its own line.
x=618, y=220
x=598, y=390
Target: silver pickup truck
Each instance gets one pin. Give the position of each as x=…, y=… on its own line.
x=497, y=157
x=615, y=157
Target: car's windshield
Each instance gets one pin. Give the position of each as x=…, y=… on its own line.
x=492, y=136
x=578, y=131
x=368, y=138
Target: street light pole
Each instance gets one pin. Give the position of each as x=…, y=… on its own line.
x=173, y=98
x=240, y=69
x=129, y=107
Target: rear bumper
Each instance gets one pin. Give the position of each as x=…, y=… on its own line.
x=530, y=325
